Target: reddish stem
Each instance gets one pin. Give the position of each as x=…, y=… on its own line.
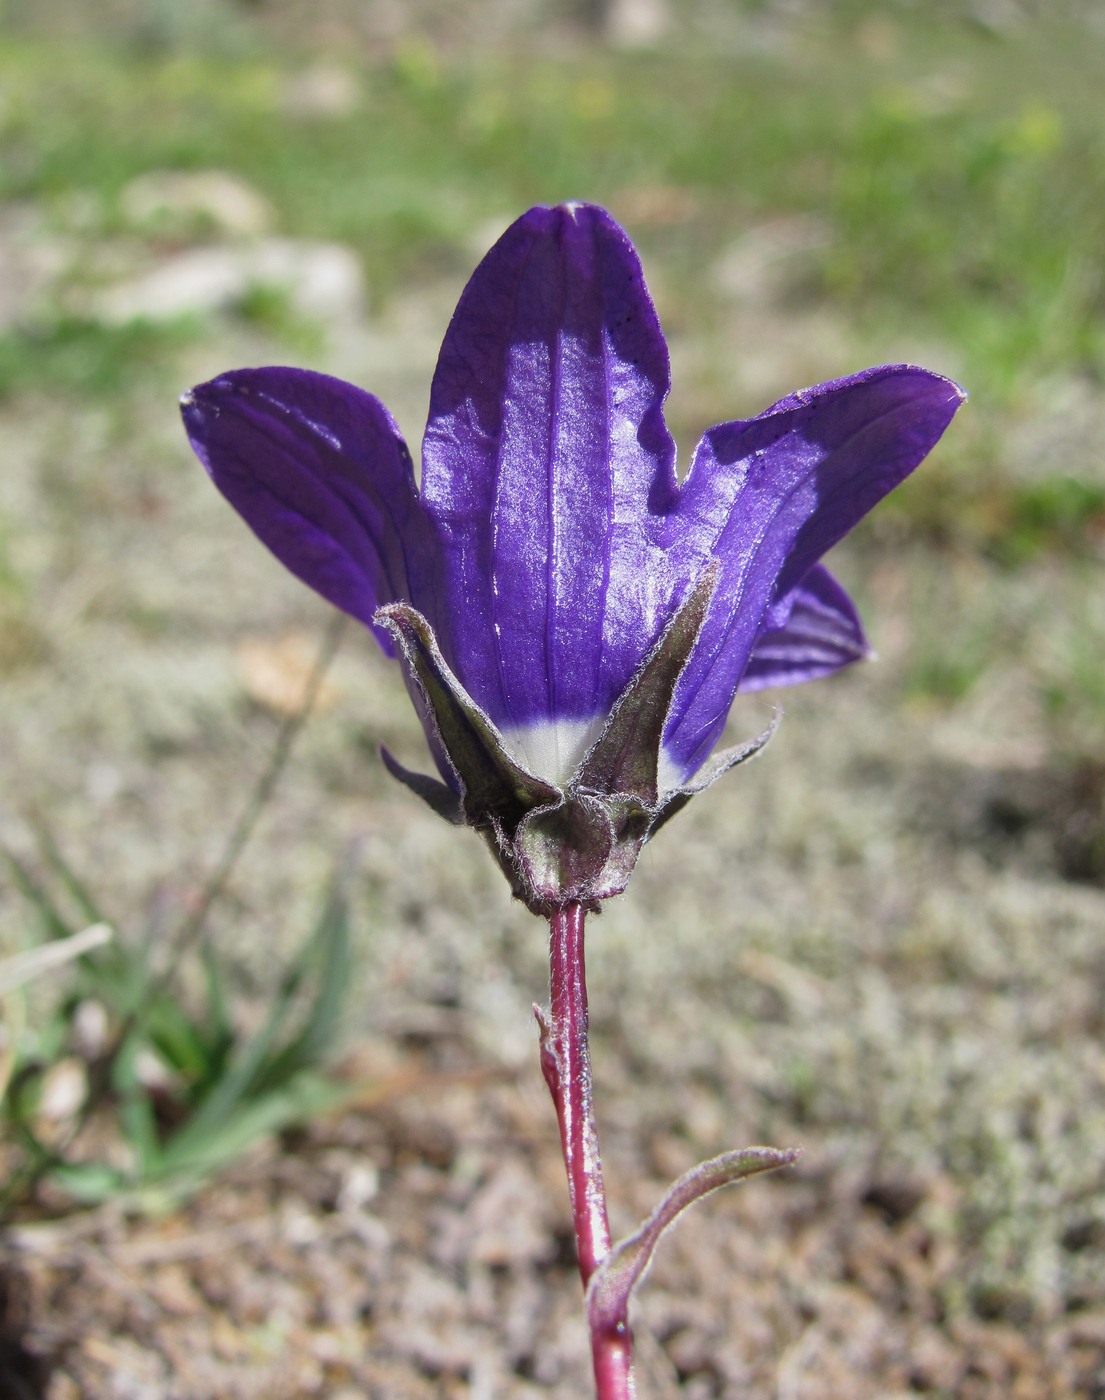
x=566, y=1064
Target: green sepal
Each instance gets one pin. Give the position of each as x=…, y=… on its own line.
x=436, y=795
x=564, y=847
x=492, y=784
x=626, y=756
x=572, y=845
x=714, y=769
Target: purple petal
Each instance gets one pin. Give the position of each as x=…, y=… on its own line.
x=812, y=631
x=769, y=496
x=318, y=470
x=546, y=461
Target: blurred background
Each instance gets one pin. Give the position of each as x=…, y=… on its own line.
x=884, y=941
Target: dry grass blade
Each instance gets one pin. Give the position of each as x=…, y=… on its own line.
x=25, y=967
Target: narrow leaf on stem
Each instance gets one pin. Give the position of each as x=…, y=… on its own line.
x=614, y=1280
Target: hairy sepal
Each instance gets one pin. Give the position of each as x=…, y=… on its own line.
x=492, y=784
x=625, y=758
x=720, y=764
x=576, y=844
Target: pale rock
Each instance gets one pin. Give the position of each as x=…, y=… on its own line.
x=31, y=261
x=760, y=264
x=215, y=199
x=1000, y=17
x=361, y=1184
x=152, y=1072
x=322, y=281
x=91, y=1028
x=325, y=91
x=64, y=1090
x=637, y=24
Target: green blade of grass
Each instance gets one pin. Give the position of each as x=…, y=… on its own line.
x=243, y=1075
x=54, y=923
x=78, y=891
x=190, y=1156
x=328, y=947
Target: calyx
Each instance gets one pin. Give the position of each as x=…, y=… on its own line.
x=576, y=843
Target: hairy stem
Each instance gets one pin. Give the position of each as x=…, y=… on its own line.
x=566, y=1065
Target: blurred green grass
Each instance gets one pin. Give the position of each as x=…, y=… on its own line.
x=954, y=176
x=961, y=175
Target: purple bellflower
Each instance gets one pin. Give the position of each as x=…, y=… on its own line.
x=573, y=621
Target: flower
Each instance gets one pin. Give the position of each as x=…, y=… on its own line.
x=573, y=621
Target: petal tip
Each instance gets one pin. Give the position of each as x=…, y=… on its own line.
x=201, y=400
x=192, y=411
x=957, y=395
x=198, y=414
x=941, y=384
